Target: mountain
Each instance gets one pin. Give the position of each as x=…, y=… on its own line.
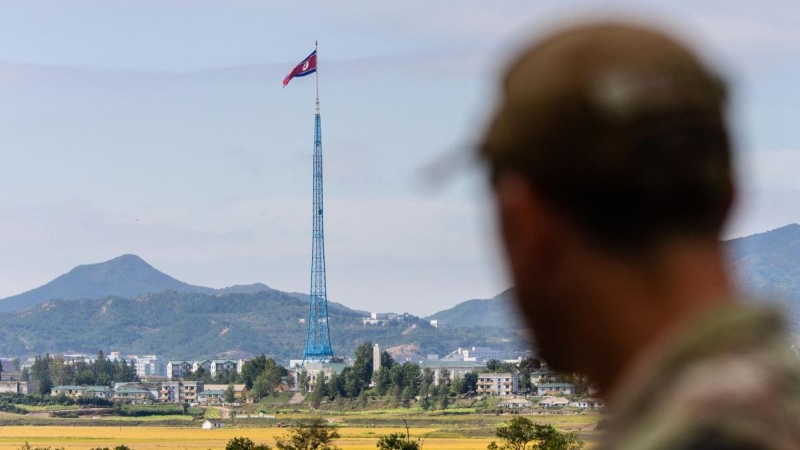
x=196, y=325
x=768, y=264
x=499, y=311
x=244, y=289
x=765, y=264
x=124, y=276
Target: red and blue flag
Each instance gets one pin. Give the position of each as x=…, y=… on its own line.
x=307, y=67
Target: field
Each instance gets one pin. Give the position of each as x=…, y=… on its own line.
x=152, y=438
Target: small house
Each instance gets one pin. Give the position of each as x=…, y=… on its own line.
x=209, y=424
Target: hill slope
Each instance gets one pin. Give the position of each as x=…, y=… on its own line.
x=769, y=263
x=192, y=325
x=766, y=264
x=124, y=276
x=499, y=311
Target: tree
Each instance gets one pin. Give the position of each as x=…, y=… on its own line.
x=243, y=443
x=230, y=394
x=252, y=369
x=471, y=381
x=398, y=441
x=320, y=390
x=302, y=380
x=40, y=373
x=362, y=368
x=521, y=431
x=313, y=434
x=517, y=434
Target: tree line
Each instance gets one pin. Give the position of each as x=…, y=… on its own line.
x=48, y=371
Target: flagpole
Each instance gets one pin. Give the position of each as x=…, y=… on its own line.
x=316, y=75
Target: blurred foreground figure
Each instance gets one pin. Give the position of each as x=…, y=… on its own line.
x=610, y=163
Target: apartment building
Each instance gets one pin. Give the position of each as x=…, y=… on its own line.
x=500, y=384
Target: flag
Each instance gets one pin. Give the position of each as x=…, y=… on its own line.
x=307, y=67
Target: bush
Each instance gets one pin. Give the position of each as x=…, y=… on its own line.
x=144, y=411
x=9, y=408
x=243, y=443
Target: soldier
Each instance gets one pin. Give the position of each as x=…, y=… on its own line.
x=610, y=165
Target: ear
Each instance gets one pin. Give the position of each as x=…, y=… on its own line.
x=528, y=226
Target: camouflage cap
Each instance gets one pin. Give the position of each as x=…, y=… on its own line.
x=612, y=109
x=593, y=79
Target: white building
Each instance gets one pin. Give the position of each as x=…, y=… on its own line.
x=555, y=389
x=180, y=391
x=438, y=323
x=15, y=387
x=553, y=402
x=226, y=365
x=452, y=368
x=500, y=384
x=589, y=403
x=148, y=366
x=211, y=424
x=314, y=370
x=474, y=354
x=178, y=369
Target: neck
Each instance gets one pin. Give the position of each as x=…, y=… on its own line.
x=642, y=301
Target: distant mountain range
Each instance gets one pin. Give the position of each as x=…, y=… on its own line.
x=128, y=305
x=499, y=311
x=125, y=276
x=768, y=264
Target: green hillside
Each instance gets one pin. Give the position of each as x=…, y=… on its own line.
x=769, y=263
x=499, y=311
x=191, y=325
x=124, y=276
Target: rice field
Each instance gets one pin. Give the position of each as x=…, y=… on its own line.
x=153, y=438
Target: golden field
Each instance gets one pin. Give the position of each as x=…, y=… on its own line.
x=151, y=438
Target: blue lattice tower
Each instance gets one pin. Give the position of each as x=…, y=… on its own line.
x=318, y=335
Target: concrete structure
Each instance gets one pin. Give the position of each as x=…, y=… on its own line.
x=180, y=391
x=589, y=403
x=133, y=395
x=178, y=369
x=148, y=365
x=553, y=402
x=438, y=323
x=515, y=403
x=207, y=397
x=226, y=365
x=543, y=376
x=15, y=387
x=316, y=369
x=500, y=384
x=555, y=389
x=74, y=358
x=376, y=358
x=474, y=354
x=239, y=390
x=453, y=368
x=205, y=364
x=83, y=391
x=209, y=424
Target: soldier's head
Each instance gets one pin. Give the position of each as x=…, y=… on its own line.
x=609, y=143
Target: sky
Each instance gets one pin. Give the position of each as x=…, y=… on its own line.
x=160, y=128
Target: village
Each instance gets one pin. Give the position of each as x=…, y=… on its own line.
x=516, y=387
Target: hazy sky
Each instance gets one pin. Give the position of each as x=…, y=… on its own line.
x=160, y=128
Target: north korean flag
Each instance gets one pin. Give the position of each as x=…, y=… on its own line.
x=307, y=67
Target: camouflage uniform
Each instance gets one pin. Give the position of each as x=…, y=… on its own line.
x=730, y=381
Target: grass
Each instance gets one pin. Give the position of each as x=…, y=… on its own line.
x=213, y=413
x=47, y=408
x=145, y=438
